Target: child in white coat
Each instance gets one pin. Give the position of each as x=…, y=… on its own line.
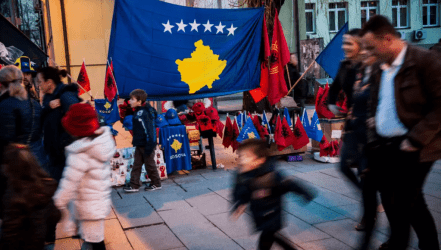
x=86, y=177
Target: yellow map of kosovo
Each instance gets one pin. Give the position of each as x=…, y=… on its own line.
x=201, y=69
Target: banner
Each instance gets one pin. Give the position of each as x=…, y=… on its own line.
x=109, y=110
x=176, y=52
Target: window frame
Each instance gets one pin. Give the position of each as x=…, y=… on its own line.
x=368, y=8
x=428, y=5
x=336, y=10
x=398, y=8
x=313, y=18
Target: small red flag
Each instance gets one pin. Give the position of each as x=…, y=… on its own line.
x=280, y=56
x=235, y=134
x=260, y=93
x=326, y=148
x=228, y=133
x=300, y=135
x=283, y=135
x=321, y=105
x=261, y=129
x=83, y=80
x=110, y=85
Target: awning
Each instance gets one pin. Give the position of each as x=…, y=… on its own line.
x=15, y=41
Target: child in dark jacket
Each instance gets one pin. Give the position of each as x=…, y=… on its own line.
x=144, y=139
x=260, y=184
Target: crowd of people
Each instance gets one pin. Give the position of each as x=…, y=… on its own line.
x=55, y=154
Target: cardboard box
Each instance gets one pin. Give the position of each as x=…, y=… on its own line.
x=332, y=129
x=273, y=151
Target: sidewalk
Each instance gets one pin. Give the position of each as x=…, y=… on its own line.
x=191, y=211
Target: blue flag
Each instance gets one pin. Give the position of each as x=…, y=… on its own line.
x=248, y=131
x=265, y=122
x=178, y=53
x=316, y=133
x=304, y=119
x=108, y=110
x=331, y=56
x=287, y=116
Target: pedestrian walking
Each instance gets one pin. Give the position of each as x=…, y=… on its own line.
x=144, y=139
x=404, y=131
x=26, y=200
x=259, y=183
x=58, y=97
x=20, y=114
x=86, y=179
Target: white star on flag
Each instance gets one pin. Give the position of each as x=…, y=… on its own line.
x=168, y=27
x=208, y=26
x=194, y=26
x=220, y=28
x=181, y=25
x=231, y=30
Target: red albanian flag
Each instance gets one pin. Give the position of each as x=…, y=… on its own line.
x=110, y=85
x=219, y=128
x=280, y=56
x=283, y=135
x=228, y=133
x=83, y=80
x=235, y=134
x=261, y=129
x=300, y=135
x=322, y=104
x=326, y=148
x=260, y=93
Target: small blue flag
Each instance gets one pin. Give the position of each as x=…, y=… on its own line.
x=331, y=56
x=304, y=119
x=108, y=110
x=239, y=120
x=316, y=133
x=265, y=122
x=287, y=116
x=248, y=131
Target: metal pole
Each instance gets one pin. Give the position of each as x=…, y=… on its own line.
x=66, y=41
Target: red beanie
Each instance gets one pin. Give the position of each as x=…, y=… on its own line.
x=81, y=120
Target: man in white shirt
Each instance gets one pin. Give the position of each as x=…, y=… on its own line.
x=404, y=134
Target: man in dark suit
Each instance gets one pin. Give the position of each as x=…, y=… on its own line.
x=404, y=134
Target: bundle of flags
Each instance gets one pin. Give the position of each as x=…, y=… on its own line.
x=272, y=79
x=330, y=149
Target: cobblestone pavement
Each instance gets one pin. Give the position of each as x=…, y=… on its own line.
x=191, y=211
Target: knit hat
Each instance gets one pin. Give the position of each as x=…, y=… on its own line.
x=80, y=120
x=198, y=108
x=172, y=117
x=25, y=64
x=212, y=113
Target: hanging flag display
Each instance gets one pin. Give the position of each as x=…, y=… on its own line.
x=108, y=110
x=248, y=131
x=180, y=53
x=110, y=85
x=300, y=135
x=234, y=135
x=287, y=116
x=228, y=133
x=331, y=56
x=283, y=135
x=83, y=80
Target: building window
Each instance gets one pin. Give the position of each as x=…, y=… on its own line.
x=430, y=13
x=400, y=14
x=310, y=18
x=337, y=16
x=368, y=10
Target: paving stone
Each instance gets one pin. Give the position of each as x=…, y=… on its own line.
x=137, y=215
x=225, y=193
x=344, y=231
x=158, y=237
x=217, y=174
x=189, y=179
x=352, y=211
x=434, y=178
x=312, y=213
x=167, y=202
x=333, y=172
x=210, y=204
x=299, y=231
x=326, y=244
x=114, y=236
x=234, y=229
x=183, y=218
x=130, y=199
x=193, y=191
x=67, y=244
x=111, y=215
x=331, y=199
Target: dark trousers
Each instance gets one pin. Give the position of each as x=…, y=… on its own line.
x=150, y=167
x=267, y=238
x=401, y=176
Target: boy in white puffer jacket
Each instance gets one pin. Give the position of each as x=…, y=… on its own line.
x=86, y=177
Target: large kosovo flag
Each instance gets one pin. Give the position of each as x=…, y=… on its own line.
x=175, y=52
